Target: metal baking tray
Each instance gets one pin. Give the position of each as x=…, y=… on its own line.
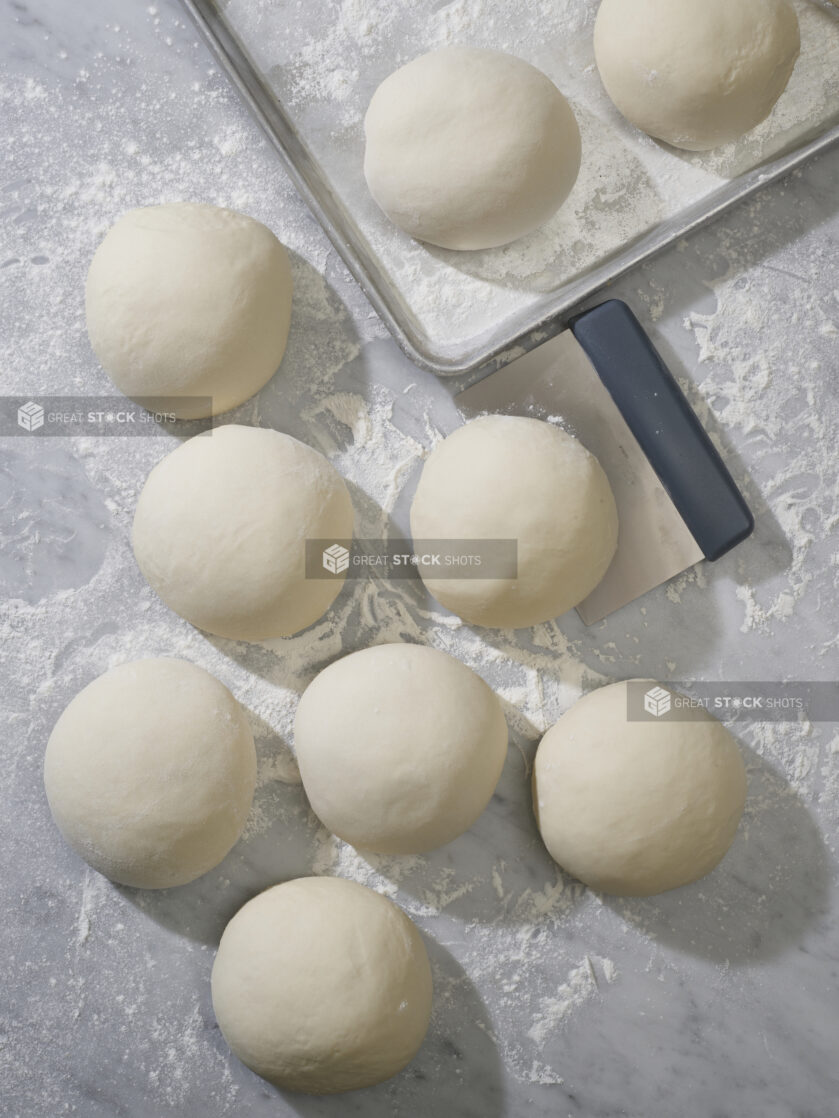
x=307, y=69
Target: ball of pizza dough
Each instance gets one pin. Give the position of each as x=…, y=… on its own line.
x=150, y=773
x=695, y=73
x=321, y=985
x=221, y=527
x=469, y=148
x=505, y=477
x=189, y=300
x=400, y=747
x=636, y=807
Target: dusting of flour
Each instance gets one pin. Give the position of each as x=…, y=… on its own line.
x=525, y=959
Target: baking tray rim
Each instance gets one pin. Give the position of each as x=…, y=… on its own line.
x=547, y=318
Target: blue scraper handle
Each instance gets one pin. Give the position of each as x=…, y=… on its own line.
x=665, y=426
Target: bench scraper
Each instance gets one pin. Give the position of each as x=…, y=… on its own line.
x=677, y=502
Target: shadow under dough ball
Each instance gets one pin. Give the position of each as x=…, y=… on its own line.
x=322, y=985
x=150, y=772
x=221, y=527
x=400, y=747
x=503, y=477
x=696, y=73
x=469, y=148
x=189, y=300
x=636, y=807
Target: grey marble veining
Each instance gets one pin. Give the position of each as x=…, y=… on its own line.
x=714, y=1001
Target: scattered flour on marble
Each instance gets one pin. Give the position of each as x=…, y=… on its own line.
x=94, y=887
x=512, y=918
x=746, y=386
x=580, y=986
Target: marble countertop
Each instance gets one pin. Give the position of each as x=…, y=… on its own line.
x=715, y=1000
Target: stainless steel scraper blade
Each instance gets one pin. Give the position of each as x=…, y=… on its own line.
x=556, y=381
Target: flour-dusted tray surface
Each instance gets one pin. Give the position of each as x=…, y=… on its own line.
x=309, y=67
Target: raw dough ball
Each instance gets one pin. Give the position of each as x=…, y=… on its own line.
x=150, y=773
x=221, y=527
x=470, y=148
x=189, y=300
x=400, y=747
x=635, y=808
x=505, y=477
x=321, y=985
x=695, y=73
